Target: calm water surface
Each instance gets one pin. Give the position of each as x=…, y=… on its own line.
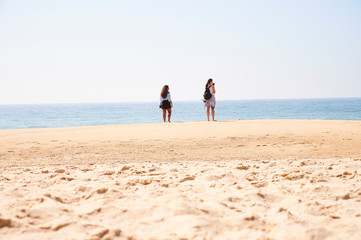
x=91, y=114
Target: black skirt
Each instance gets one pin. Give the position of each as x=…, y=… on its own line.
x=165, y=104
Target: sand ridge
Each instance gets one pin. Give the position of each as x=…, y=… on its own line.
x=226, y=140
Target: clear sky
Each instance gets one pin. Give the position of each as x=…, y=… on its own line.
x=117, y=51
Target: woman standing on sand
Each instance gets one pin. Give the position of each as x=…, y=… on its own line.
x=166, y=102
x=211, y=103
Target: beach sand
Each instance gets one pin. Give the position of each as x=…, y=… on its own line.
x=259, y=179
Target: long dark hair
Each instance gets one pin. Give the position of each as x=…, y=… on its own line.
x=164, y=91
x=208, y=82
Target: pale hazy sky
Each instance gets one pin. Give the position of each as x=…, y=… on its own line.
x=116, y=51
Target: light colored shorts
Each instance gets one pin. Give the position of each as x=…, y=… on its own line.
x=211, y=102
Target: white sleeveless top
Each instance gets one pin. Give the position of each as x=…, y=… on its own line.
x=211, y=90
x=167, y=98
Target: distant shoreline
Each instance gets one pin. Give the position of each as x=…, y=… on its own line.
x=173, y=123
x=164, y=124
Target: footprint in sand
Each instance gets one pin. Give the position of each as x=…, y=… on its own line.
x=59, y=226
x=58, y=199
x=106, y=234
x=87, y=169
x=108, y=173
x=5, y=222
x=190, y=178
x=81, y=189
x=99, y=234
x=124, y=168
x=242, y=167
x=67, y=178
x=294, y=176
x=98, y=191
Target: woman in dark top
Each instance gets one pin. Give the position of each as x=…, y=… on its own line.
x=166, y=102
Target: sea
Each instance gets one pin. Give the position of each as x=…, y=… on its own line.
x=93, y=114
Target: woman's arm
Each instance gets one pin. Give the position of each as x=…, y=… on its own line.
x=170, y=100
x=214, y=90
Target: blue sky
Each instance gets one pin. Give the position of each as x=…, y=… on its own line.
x=118, y=51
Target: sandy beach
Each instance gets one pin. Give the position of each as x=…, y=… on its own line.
x=257, y=179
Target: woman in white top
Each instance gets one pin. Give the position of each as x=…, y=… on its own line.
x=166, y=102
x=211, y=103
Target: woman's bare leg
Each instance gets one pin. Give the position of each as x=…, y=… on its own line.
x=212, y=114
x=169, y=114
x=208, y=112
x=164, y=114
